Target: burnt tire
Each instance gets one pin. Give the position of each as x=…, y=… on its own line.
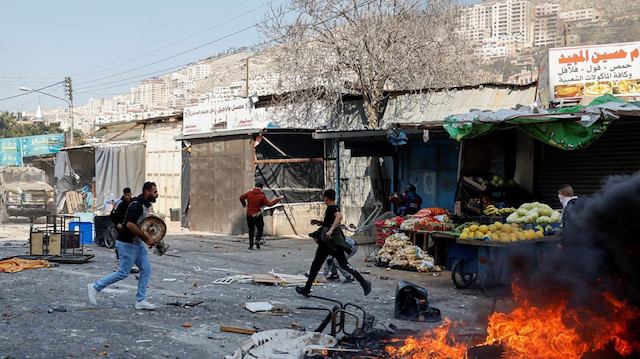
x=110, y=238
x=460, y=278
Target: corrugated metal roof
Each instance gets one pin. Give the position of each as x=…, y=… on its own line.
x=436, y=106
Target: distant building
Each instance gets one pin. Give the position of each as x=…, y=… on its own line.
x=582, y=15
x=546, y=30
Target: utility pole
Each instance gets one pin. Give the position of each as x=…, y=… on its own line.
x=68, y=90
x=247, y=82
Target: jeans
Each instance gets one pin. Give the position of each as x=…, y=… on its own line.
x=129, y=254
x=321, y=255
x=333, y=267
x=257, y=222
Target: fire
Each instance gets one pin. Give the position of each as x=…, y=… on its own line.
x=438, y=343
x=555, y=331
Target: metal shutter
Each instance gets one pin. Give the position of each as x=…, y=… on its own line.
x=616, y=152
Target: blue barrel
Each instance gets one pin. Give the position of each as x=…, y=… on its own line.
x=85, y=229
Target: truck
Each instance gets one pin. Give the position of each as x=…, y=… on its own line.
x=24, y=192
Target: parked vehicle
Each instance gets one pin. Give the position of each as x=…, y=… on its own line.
x=24, y=192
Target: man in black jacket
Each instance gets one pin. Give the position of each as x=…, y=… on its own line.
x=119, y=210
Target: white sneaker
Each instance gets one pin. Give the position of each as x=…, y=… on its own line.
x=145, y=305
x=92, y=292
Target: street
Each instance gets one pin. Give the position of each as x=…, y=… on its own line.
x=45, y=312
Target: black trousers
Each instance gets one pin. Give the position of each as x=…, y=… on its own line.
x=321, y=255
x=253, y=223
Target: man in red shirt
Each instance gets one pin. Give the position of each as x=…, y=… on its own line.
x=253, y=201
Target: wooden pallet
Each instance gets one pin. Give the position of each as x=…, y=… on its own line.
x=73, y=200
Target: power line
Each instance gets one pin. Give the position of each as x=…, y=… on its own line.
x=27, y=93
x=183, y=39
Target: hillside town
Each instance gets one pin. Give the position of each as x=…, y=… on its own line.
x=365, y=186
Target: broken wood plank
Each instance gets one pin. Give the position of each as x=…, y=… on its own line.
x=226, y=328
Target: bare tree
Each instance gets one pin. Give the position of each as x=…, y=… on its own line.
x=326, y=49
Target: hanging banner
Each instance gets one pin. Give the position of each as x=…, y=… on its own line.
x=222, y=115
x=595, y=70
x=10, y=154
x=42, y=145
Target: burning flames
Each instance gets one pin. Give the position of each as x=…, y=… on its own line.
x=555, y=331
x=433, y=344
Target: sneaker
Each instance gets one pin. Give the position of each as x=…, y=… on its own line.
x=261, y=241
x=349, y=280
x=145, y=305
x=333, y=277
x=135, y=270
x=302, y=291
x=250, y=248
x=258, y=246
x=92, y=292
x=366, y=286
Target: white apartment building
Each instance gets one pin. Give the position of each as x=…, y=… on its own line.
x=152, y=92
x=586, y=15
x=197, y=72
x=547, y=25
x=496, y=19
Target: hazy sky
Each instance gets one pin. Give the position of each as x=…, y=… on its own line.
x=107, y=47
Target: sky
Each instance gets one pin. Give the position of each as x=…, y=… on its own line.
x=107, y=47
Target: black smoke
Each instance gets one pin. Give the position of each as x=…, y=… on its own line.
x=600, y=248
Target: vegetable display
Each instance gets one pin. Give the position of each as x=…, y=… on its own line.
x=398, y=251
x=534, y=212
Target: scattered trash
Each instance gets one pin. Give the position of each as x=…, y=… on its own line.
x=258, y=306
x=189, y=304
x=195, y=284
x=366, y=272
x=226, y=328
x=57, y=309
x=102, y=354
x=236, y=278
x=281, y=344
x=186, y=325
x=168, y=279
x=141, y=341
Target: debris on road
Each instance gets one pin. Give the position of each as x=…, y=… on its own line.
x=15, y=265
x=226, y=328
x=282, y=344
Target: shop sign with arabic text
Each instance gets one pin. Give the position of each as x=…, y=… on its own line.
x=596, y=70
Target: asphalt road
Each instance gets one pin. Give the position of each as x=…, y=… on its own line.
x=32, y=327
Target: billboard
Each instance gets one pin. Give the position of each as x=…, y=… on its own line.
x=221, y=115
x=595, y=70
x=10, y=154
x=42, y=145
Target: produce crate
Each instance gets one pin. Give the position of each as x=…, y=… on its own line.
x=382, y=232
x=548, y=228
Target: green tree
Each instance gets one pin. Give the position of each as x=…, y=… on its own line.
x=11, y=127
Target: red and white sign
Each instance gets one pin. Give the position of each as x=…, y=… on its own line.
x=596, y=70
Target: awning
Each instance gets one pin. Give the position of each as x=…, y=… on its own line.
x=566, y=128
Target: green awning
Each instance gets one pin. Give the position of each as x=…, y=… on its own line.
x=566, y=128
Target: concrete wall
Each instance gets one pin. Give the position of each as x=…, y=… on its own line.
x=294, y=219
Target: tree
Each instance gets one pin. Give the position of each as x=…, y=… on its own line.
x=325, y=49
x=10, y=127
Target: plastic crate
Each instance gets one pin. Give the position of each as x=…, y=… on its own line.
x=85, y=229
x=382, y=232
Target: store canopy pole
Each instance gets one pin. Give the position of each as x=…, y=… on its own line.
x=337, y=150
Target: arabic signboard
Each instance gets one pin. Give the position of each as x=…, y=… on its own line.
x=42, y=145
x=596, y=70
x=10, y=154
x=223, y=115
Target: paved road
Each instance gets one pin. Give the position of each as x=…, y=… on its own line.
x=29, y=330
